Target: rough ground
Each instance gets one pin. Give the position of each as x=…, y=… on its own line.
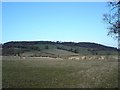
x=34, y=72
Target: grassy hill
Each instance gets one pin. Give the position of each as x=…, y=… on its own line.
x=98, y=69
x=55, y=49
x=0, y=49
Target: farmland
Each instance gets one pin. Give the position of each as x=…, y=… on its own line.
x=46, y=64
x=46, y=72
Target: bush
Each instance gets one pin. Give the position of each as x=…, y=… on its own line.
x=46, y=47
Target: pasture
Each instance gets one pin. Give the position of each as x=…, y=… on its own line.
x=41, y=72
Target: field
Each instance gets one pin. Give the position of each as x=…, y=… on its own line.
x=44, y=72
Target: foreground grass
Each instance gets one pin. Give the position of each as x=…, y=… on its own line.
x=56, y=73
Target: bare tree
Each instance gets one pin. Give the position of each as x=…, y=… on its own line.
x=113, y=20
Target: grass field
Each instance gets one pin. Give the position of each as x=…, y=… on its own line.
x=34, y=72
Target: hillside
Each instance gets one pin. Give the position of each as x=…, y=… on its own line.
x=55, y=49
x=0, y=49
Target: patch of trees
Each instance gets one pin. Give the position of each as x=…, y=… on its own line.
x=25, y=44
x=12, y=51
x=93, y=52
x=16, y=49
x=71, y=50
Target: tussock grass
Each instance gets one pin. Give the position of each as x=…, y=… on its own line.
x=57, y=73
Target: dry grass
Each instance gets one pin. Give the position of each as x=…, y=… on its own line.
x=56, y=73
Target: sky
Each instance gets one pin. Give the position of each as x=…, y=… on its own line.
x=55, y=21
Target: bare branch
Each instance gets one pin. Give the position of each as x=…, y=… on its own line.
x=112, y=19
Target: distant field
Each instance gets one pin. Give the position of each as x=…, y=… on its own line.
x=35, y=72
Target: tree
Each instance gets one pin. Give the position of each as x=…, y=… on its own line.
x=58, y=47
x=75, y=51
x=71, y=50
x=46, y=47
x=113, y=19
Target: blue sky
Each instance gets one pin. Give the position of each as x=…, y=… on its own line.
x=60, y=21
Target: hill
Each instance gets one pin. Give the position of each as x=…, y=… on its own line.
x=55, y=49
x=0, y=49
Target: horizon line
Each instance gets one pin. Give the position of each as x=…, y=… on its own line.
x=59, y=41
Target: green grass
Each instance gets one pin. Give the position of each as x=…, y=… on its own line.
x=60, y=52
x=0, y=72
x=49, y=53
x=55, y=73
